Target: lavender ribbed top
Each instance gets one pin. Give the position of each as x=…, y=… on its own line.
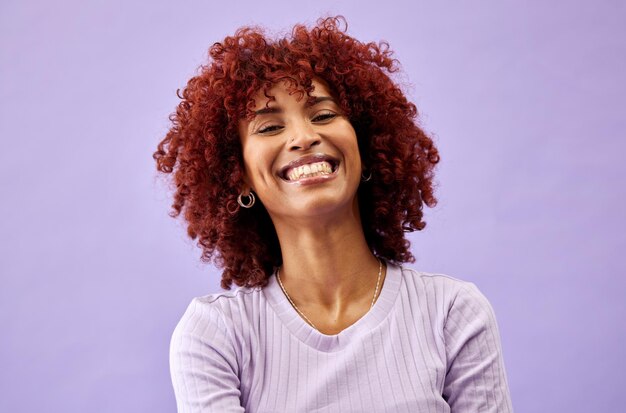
x=429, y=344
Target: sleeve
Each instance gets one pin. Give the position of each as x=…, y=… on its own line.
x=203, y=362
x=475, y=378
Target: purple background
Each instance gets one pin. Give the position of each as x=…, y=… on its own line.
x=526, y=101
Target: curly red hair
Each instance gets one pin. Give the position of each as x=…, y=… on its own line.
x=203, y=150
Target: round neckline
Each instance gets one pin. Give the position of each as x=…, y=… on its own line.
x=329, y=343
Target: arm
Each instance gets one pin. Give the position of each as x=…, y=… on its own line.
x=475, y=378
x=203, y=363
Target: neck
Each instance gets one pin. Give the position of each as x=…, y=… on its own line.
x=328, y=268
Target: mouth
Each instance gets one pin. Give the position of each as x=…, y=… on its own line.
x=312, y=166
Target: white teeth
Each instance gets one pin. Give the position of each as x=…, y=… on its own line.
x=306, y=171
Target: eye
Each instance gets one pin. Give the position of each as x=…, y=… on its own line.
x=269, y=129
x=324, y=117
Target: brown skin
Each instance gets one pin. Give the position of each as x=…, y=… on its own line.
x=328, y=269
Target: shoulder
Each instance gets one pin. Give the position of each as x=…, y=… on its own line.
x=445, y=295
x=439, y=286
x=238, y=297
x=215, y=317
x=210, y=326
x=438, y=279
x=218, y=308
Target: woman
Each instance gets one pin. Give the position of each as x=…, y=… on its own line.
x=299, y=167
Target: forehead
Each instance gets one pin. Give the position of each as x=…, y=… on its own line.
x=285, y=89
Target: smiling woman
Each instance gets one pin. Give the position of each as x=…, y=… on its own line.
x=301, y=157
x=299, y=166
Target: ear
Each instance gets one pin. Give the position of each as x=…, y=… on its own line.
x=246, y=187
x=246, y=182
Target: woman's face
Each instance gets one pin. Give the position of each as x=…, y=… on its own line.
x=301, y=159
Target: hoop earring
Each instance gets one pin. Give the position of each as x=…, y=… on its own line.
x=249, y=202
x=365, y=178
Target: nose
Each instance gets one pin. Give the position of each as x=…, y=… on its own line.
x=303, y=137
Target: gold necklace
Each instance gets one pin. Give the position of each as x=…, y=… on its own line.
x=380, y=270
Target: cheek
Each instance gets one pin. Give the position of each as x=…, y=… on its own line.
x=249, y=162
x=257, y=162
x=351, y=150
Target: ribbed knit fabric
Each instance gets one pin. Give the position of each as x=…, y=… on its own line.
x=429, y=344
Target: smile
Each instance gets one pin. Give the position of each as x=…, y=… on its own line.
x=308, y=171
x=309, y=167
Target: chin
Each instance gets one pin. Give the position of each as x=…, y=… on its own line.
x=325, y=206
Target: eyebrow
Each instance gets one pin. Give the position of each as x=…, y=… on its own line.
x=316, y=100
